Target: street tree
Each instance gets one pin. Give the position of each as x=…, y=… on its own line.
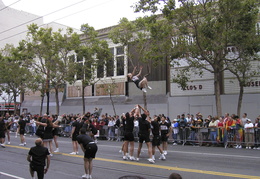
x=52, y=52
x=203, y=31
x=14, y=73
x=91, y=53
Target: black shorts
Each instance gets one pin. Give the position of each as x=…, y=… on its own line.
x=144, y=137
x=55, y=131
x=21, y=131
x=2, y=135
x=156, y=140
x=129, y=136
x=164, y=138
x=91, y=150
x=74, y=137
x=38, y=169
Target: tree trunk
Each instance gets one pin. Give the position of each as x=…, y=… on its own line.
x=57, y=100
x=83, y=99
x=240, y=99
x=48, y=102
x=41, y=104
x=15, y=107
x=112, y=102
x=217, y=82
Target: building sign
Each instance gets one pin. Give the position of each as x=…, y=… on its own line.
x=193, y=88
x=253, y=84
x=8, y=106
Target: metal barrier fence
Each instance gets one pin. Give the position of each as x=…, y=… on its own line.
x=231, y=137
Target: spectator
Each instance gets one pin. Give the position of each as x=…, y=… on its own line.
x=213, y=130
x=111, y=129
x=182, y=129
x=249, y=134
x=175, y=131
x=199, y=125
x=257, y=133
x=244, y=119
x=239, y=132
x=193, y=130
x=221, y=130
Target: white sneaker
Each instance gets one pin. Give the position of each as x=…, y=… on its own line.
x=124, y=157
x=246, y=147
x=57, y=150
x=21, y=144
x=132, y=158
x=240, y=147
x=144, y=90
x=73, y=153
x=90, y=177
x=137, y=159
x=151, y=160
x=3, y=145
x=162, y=157
x=153, y=157
x=174, y=143
x=149, y=87
x=24, y=144
x=51, y=154
x=85, y=176
x=8, y=143
x=165, y=152
x=77, y=153
x=258, y=148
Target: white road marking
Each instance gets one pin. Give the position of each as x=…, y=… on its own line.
x=9, y=175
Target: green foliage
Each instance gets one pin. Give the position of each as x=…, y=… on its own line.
x=14, y=73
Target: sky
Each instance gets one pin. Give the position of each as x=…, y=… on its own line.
x=97, y=13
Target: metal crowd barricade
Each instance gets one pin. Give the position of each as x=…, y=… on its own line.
x=65, y=130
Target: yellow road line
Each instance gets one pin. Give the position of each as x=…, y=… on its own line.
x=159, y=166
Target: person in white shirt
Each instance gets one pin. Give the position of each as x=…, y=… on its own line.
x=249, y=134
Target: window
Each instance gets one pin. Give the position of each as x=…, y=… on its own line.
x=120, y=65
x=79, y=74
x=120, y=50
x=79, y=58
x=100, y=69
x=110, y=67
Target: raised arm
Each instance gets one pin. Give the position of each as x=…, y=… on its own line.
x=140, y=71
x=133, y=72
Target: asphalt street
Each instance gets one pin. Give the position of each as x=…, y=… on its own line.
x=190, y=162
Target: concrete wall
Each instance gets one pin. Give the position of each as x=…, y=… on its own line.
x=206, y=105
